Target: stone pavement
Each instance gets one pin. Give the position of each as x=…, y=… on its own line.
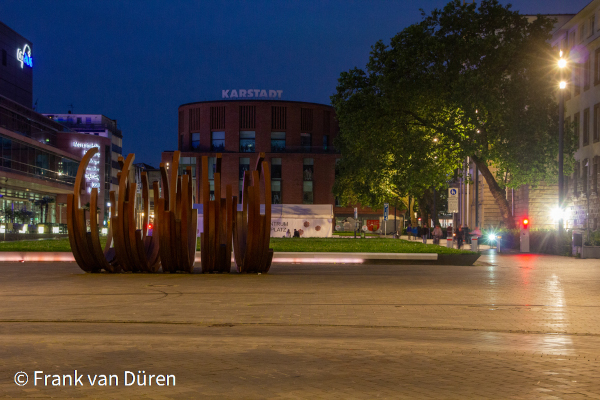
x=512, y=326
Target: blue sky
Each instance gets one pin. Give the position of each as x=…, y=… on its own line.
x=137, y=61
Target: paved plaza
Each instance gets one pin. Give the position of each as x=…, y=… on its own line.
x=512, y=326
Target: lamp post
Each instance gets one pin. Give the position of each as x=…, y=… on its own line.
x=562, y=63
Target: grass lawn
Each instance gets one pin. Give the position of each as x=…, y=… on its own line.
x=359, y=246
x=278, y=245
x=352, y=234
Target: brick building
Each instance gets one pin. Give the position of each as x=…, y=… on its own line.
x=297, y=138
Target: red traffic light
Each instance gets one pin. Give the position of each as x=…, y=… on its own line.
x=525, y=223
x=149, y=226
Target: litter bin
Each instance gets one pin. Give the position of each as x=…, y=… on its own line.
x=474, y=243
x=449, y=242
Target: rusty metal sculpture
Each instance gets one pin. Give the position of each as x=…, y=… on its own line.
x=218, y=222
x=85, y=245
x=175, y=219
x=135, y=250
x=252, y=231
x=173, y=242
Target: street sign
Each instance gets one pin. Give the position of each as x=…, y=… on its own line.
x=386, y=210
x=452, y=200
x=355, y=213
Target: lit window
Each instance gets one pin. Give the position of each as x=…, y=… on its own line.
x=247, y=142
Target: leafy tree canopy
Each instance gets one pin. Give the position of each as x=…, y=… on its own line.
x=466, y=81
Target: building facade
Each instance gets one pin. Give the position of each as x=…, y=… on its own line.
x=94, y=130
x=297, y=138
x=579, y=39
x=35, y=174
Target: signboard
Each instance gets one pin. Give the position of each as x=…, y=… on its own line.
x=250, y=93
x=372, y=224
x=386, y=210
x=452, y=200
x=355, y=213
x=92, y=172
x=24, y=56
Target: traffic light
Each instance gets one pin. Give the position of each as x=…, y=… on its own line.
x=525, y=223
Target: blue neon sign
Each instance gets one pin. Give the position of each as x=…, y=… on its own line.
x=25, y=56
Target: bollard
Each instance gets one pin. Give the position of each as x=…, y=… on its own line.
x=499, y=241
x=449, y=243
x=474, y=243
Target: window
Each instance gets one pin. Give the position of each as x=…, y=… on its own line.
x=276, y=192
x=597, y=66
x=194, y=119
x=576, y=129
x=195, y=141
x=595, y=175
x=212, y=168
x=278, y=117
x=586, y=126
x=305, y=141
x=596, y=129
x=307, y=195
x=326, y=121
x=592, y=25
x=586, y=74
x=241, y=188
x=244, y=166
x=217, y=141
x=180, y=142
x=577, y=79
x=307, y=175
x=581, y=32
x=247, y=142
x=217, y=118
x=277, y=142
x=576, y=179
x=306, y=119
x=275, y=168
x=308, y=169
x=247, y=117
x=571, y=39
x=180, y=121
x=584, y=177
x=325, y=142
x=3, y=57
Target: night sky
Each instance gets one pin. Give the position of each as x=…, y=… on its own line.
x=137, y=61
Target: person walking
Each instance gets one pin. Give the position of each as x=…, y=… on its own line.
x=437, y=234
x=415, y=231
x=425, y=233
x=460, y=235
x=409, y=231
x=288, y=234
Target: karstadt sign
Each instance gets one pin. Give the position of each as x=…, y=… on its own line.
x=250, y=93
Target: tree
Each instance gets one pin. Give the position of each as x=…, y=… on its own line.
x=43, y=203
x=479, y=80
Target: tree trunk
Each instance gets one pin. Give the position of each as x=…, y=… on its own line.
x=497, y=192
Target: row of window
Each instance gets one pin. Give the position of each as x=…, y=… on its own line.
x=247, y=142
x=582, y=127
x=582, y=175
x=276, y=178
x=247, y=118
x=21, y=157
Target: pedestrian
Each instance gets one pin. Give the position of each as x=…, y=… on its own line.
x=415, y=231
x=409, y=231
x=449, y=232
x=460, y=234
x=288, y=234
x=296, y=233
x=437, y=234
x=425, y=233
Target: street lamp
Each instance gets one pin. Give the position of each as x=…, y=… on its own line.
x=562, y=64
